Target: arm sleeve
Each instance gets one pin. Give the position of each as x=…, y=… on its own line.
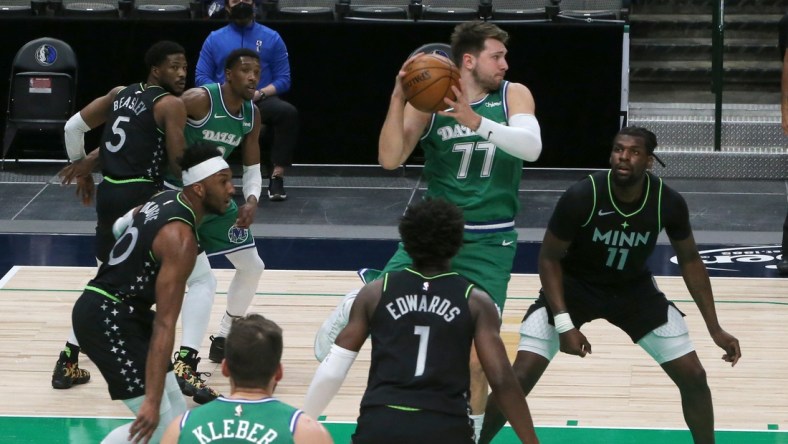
x=572, y=210
x=328, y=379
x=522, y=138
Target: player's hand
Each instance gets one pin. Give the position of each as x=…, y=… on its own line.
x=398, y=89
x=246, y=213
x=461, y=110
x=574, y=342
x=145, y=424
x=71, y=172
x=85, y=189
x=730, y=344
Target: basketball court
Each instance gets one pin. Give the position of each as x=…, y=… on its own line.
x=338, y=219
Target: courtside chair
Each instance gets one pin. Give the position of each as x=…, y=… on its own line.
x=450, y=10
x=520, y=10
x=15, y=8
x=42, y=89
x=302, y=10
x=163, y=9
x=591, y=10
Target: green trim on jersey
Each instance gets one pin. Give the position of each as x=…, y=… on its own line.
x=448, y=273
x=613, y=201
x=593, y=206
x=403, y=408
x=124, y=181
x=219, y=127
x=101, y=292
x=469, y=171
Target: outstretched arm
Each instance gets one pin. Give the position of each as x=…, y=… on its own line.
x=332, y=371
x=495, y=362
x=176, y=249
x=252, y=178
x=551, y=275
x=696, y=277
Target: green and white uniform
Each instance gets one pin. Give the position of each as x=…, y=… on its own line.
x=240, y=420
x=218, y=233
x=483, y=181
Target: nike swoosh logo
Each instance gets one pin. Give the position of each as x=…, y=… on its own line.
x=507, y=243
x=217, y=116
x=604, y=213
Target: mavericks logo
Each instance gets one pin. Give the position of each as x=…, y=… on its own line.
x=237, y=235
x=46, y=54
x=737, y=259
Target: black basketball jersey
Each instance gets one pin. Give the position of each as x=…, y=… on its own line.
x=421, y=339
x=616, y=240
x=132, y=145
x=130, y=273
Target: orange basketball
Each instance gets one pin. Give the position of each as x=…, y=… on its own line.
x=428, y=80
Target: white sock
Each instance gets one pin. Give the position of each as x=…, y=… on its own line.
x=478, y=420
x=72, y=337
x=196, y=310
x=248, y=268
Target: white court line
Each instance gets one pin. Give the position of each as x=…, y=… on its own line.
x=9, y=275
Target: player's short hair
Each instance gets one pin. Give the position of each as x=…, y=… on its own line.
x=236, y=55
x=469, y=38
x=432, y=231
x=253, y=350
x=198, y=152
x=159, y=52
x=649, y=138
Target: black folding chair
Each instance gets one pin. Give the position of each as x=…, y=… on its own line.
x=42, y=89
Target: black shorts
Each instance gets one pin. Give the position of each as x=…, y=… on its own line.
x=116, y=337
x=113, y=200
x=388, y=425
x=636, y=308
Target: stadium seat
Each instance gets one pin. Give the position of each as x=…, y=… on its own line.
x=42, y=90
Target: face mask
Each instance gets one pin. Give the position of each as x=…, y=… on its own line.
x=242, y=11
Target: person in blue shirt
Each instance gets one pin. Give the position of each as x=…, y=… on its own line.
x=280, y=118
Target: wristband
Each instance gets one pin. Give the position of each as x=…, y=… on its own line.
x=563, y=322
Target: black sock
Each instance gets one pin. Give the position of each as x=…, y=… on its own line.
x=189, y=356
x=71, y=352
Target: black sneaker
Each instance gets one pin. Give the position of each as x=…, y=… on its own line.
x=191, y=382
x=217, y=349
x=276, y=189
x=67, y=374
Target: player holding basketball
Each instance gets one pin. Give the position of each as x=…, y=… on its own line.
x=422, y=320
x=474, y=156
x=592, y=265
x=223, y=115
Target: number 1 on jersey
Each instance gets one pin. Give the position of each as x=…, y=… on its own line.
x=424, y=337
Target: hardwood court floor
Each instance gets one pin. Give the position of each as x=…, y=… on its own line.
x=617, y=386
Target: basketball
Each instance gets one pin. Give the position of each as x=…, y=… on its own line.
x=428, y=80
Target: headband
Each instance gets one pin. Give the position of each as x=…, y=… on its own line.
x=204, y=169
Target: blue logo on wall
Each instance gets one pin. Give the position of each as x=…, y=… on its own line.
x=46, y=54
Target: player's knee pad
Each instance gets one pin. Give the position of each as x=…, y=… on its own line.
x=670, y=340
x=538, y=336
x=247, y=260
x=202, y=274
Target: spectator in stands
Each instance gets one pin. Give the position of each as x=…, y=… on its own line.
x=280, y=118
x=782, y=266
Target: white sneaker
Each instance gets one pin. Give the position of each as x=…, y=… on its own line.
x=336, y=321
